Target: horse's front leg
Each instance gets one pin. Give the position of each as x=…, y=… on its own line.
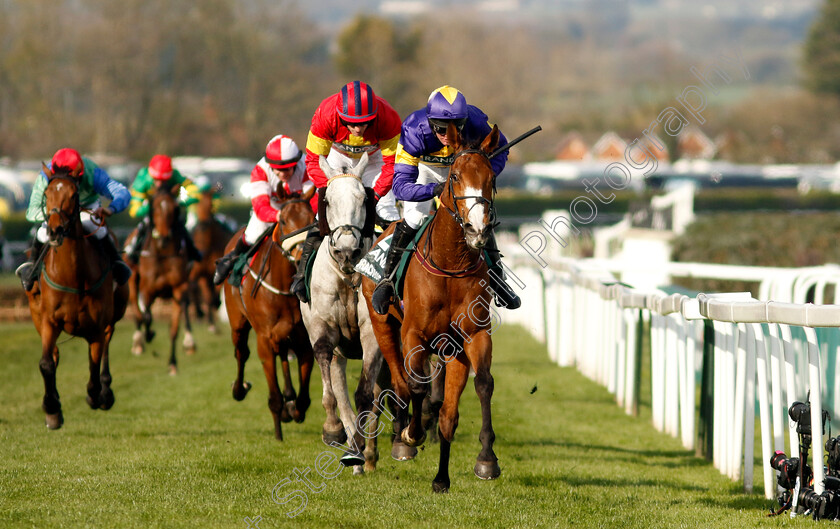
x=353, y=454
x=240, y=328
x=49, y=364
x=106, y=397
x=480, y=354
x=367, y=417
x=96, y=347
x=189, y=341
x=457, y=373
x=174, y=323
x=433, y=402
x=333, y=432
x=306, y=361
x=416, y=360
x=267, y=349
x=289, y=395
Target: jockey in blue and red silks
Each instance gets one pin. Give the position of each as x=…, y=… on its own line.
x=346, y=125
x=93, y=182
x=421, y=168
x=278, y=174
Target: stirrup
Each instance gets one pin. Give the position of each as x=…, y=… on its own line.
x=381, y=297
x=223, y=268
x=505, y=298
x=24, y=273
x=298, y=288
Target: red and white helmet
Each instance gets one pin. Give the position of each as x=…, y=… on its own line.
x=161, y=167
x=70, y=160
x=357, y=102
x=282, y=152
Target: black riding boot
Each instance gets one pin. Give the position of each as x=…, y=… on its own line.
x=121, y=270
x=384, y=292
x=504, y=295
x=28, y=272
x=132, y=255
x=225, y=263
x=310, y=246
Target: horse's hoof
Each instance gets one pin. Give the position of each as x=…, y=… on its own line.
x=440, y=487
x=54, y=420
x=106, y=399
x=150, y=335
x=288, y=412
x=370, y=466
x=403, y=452
x=189, y=351
x=352, y=460
x=487, y=469
x=93, y=403
x=339, y=437
x=406, y=438
x=358, y=471
x=173, y=370
x=239, y=393
x=137, y=350
x=212, y=329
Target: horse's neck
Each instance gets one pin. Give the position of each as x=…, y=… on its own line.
x=446, y=245
x=72, y=261
x=204, y=210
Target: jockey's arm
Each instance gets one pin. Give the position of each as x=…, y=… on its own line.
x=261, y=196
x=104, y=185
x=405, y=179
x=140, y=192
x=385, y=181
x=35, y=211
x=192, y=194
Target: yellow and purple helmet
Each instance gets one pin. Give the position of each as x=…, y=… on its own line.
x=447, y=104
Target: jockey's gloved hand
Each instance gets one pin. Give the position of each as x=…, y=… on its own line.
x=439, y=189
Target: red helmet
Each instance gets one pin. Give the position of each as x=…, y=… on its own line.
x=68, y=159
x=282, y=152
x=356, y=102
x=161, y=167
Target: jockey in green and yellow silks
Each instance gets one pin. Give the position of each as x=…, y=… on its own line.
x=158, y=174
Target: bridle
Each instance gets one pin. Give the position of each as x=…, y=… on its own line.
x=64, y=228
x=478, y=198
x=345, y=229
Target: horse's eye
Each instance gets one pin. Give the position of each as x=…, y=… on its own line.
x=454, y=177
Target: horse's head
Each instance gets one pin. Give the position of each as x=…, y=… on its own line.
x=164, y=213
x=345, y=211
x=204, y=206
x=61, y=204
x=469, y=190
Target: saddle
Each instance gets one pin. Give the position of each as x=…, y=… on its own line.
x=372, y=264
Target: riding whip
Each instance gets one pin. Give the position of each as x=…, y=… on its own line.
x=510, y=144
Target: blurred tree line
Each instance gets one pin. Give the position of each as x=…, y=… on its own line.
x=220, y=77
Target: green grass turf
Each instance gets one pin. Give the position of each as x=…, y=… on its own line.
x=180, y=452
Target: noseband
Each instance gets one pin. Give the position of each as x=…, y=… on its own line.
x=344, y=229
x=478, y=198
x=63, y=229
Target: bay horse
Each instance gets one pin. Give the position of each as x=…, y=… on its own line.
x=210, y=237
x=76, y=294
x=337, y=317
x=447, y=309
x=263, y=302
x=161, y=272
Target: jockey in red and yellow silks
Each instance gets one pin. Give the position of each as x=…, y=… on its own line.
x=346, y=125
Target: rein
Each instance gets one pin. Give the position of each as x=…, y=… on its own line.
x=425, y=258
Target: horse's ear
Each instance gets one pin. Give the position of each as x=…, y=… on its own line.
x=47, y=171
x=328, y=170
x=307, y=195
x=491, y=141
x=360, y=167
x=453, y=136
